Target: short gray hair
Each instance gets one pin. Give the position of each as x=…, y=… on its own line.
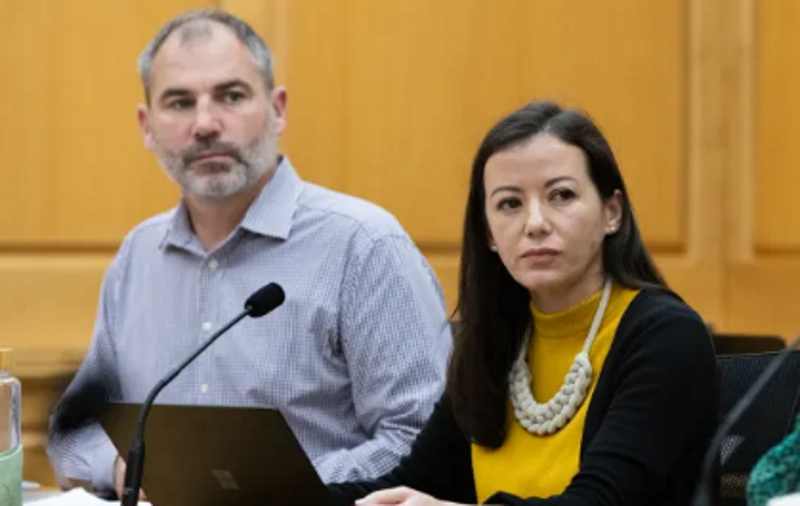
x=262, y=56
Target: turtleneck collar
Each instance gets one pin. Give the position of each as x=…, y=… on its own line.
x=577, y=320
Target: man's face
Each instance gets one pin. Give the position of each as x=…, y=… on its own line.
x=211, y=122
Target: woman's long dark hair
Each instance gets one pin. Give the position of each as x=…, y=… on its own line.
x=493, y=310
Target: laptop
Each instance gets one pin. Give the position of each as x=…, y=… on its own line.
x=217, y=456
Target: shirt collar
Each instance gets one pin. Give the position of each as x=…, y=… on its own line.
x=272, y=212
x=179, y=232
x=269, y=215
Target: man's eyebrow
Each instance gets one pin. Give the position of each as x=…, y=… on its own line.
x=221, y=87
x=233, y=83
x=173, y=92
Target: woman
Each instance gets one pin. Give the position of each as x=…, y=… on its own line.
x=555, y=281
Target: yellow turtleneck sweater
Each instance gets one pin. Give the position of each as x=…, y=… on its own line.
x=528, y=465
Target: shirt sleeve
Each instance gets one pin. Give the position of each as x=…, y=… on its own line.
x=664, y=401
x=84, y=452
x=396, y=340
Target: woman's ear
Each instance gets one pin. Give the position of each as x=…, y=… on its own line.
x=613, y=212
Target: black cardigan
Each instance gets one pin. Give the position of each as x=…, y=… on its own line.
x=649, y=422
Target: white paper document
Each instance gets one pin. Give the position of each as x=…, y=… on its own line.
x=75, y=497
x=787, y=500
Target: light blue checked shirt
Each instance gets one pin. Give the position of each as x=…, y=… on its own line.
x=354, y=359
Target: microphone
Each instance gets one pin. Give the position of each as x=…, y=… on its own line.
x=702, y=496
x=261, y=302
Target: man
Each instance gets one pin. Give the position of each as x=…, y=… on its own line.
x=355, y=357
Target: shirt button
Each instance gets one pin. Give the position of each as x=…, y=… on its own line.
x=207, y=326
x=213, y=264
x=204, y=388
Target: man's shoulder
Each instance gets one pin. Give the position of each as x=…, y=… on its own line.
x=349, y=212
x=151, y=230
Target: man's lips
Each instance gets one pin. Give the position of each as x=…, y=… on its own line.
x=210, y=155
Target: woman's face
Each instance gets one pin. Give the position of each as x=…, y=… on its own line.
x=547, y=221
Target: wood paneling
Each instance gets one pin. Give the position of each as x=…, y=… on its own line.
x=763, y=297
x=49, y=299
x=777, y=179
x=764, y=272
x=719, y=50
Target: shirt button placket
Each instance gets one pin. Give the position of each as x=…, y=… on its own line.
x=208, y=276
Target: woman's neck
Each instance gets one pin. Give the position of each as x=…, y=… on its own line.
x=559, y=299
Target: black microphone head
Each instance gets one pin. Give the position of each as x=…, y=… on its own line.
x=264, y=300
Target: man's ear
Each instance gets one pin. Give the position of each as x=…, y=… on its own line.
x=280, y=101
x=143, y=114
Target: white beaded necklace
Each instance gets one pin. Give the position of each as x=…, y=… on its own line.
x=550, y=417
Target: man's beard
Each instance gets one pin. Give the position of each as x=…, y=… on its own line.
x=218, y=180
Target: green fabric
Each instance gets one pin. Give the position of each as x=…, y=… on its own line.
x=777, y=473
x=11, y=477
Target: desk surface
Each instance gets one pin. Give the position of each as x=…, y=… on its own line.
x=31, y=496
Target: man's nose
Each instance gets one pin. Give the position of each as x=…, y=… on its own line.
x=207, y=123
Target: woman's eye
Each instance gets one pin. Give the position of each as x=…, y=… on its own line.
x=509, y=203
x=562, y=195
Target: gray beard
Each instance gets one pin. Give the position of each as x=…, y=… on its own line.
x=220, y=180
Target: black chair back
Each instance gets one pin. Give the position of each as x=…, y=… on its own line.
x=736, y=344
x=765, y=423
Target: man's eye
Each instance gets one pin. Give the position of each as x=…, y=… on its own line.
x=183, y=103
x=233, y=97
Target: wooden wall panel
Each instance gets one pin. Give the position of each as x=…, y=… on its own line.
x=49, y=300
x=415, y=115
x=718, y=137
x=763, y=297
x=777, y=178
x=764, y=270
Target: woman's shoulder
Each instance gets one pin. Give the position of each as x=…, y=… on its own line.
x=656, y=312
x=652, y=304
